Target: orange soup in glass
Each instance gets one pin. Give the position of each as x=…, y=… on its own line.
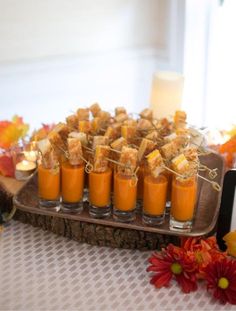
x=183, y=202
x=49, y=187
x=100, y=193
x=154, y=200
x=72, y=186
x=125, y=195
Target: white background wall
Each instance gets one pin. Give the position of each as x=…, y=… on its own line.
x=32, y=28
x=57, y=55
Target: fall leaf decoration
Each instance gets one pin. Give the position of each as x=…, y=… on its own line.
x=12, y=131
x=42, y=132
x=6, y=166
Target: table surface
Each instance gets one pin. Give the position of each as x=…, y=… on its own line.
x=42, y=271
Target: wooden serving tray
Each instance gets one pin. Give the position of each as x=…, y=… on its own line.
x=128, y=235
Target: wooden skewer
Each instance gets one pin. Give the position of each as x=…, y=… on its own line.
x=215, y=185
x=212, y=173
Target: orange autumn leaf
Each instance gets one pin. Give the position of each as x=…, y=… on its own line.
x=42, y=132
x=6, y=166
x=12, y=131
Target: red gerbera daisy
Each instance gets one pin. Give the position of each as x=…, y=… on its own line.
x=204, y=251
x=221, y=280
x=173, y=262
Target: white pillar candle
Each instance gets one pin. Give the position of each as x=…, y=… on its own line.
x=24, y=169
x=166, y=93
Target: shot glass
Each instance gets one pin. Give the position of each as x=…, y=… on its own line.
x=183, y=203
x=24, y=168
x=125, y=197
x=72, y=182
x=100, y=194
x=49, y=187
x=168, y=176
x=154, y=200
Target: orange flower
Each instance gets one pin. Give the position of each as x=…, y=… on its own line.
x=230, y=239
x=204, y=251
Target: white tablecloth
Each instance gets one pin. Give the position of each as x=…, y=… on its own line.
x=42, y=271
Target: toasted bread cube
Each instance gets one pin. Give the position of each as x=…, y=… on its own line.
x=144, y=125
x=111, y=133
x=128, y=132
x=104, y=115
x=169, y=151
x=100, y=140
x=119, y=143
x=128, y=159
x=101, y=158
x=130, y=122
x=95, y=109
x=121, y=117
x=72, y=122
x=146, y=114
x=75, y=151
x=180, y=164
x=180, y=118
x=57, y=143
x=49, y=157
x=155, y=163
x=145, y=147
x=63, y=130
x=81, y=136
x=82, y=114
x=84, y=126
x=119, y=110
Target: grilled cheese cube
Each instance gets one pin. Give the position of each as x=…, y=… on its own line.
x=155, y=163
x=117, y=128
x=180, y=118
x=169, y=151
x=170, y=137
x=119, y=143
x=81, y=136
x=119, y=110
x=49, y=157
x=95, y=109
x=180, y=164
x=57, y=143
x=128, y=132
x=181, y=141
x=121, y=117
x=100, y=158
x=63, y=130
x=145, y=147
x=96, y=124
x=75, y=151
x=82, y=114
x=144, y=125
x=153, y=135
x=110, y=133
x=44, y=145
x=100, y=140
x=146, y=114
x=191, y=154
x=130, y=122
x=72, y=121
x=104, y=115
x=84, y=126
x=128, y=159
